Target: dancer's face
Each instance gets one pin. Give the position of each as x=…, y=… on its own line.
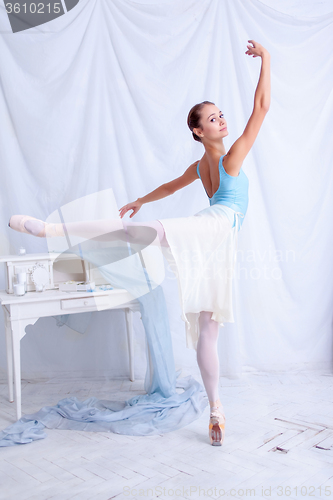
x=213, y=124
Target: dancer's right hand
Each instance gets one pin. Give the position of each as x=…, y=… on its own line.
x=135, y=206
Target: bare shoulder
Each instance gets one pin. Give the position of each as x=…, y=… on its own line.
x=192, y=171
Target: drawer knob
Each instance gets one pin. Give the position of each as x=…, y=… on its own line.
x=86, y=302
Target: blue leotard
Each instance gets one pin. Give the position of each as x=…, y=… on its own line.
x=232, y=191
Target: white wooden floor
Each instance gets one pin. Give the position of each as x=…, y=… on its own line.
x=278, y=444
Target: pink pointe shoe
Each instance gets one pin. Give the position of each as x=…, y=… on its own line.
x=216, y=423
x=39, y=228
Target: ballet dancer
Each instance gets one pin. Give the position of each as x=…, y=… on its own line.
x=226, y=186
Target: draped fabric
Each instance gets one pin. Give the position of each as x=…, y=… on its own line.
x=98, y=98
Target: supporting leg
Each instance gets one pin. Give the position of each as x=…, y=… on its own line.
x=208, y=362
x=207, y=355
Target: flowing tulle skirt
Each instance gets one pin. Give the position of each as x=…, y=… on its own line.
x=201, y=254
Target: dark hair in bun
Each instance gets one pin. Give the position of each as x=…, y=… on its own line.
x=194, y=117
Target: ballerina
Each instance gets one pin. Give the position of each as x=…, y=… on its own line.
x=206, y=298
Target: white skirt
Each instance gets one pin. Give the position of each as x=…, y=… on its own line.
x=202, y=253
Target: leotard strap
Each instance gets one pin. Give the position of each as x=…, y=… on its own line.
x=198, y=170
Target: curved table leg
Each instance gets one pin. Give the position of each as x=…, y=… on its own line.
x=18, y=331
x=9, y=352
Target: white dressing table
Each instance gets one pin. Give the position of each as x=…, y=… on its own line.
x=19, y=312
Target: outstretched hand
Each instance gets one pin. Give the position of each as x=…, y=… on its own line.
x=255, y=49
x=135, y=206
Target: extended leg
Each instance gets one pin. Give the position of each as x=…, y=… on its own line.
x=85, y=229
x=157, y=225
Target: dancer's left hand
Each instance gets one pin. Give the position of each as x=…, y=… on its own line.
x=257, y=50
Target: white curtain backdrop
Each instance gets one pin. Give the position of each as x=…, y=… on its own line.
x=98, y=99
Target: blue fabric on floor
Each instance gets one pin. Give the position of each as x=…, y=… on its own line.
x=162, y=408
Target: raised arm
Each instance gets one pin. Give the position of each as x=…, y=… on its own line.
x=162, y=191
x=233, y=160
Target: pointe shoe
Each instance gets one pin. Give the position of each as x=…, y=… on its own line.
x=216, y=424
x=17, y=222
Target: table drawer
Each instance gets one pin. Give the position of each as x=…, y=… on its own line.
x=98, y=302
